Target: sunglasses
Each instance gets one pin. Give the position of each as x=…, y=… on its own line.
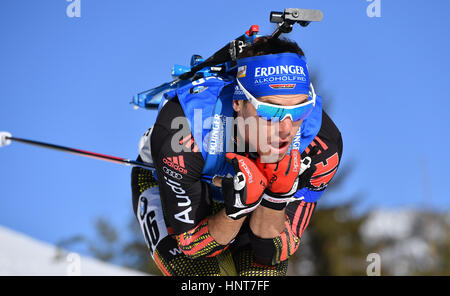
x=276, y=112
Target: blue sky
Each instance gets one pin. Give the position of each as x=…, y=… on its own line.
x=69, y=81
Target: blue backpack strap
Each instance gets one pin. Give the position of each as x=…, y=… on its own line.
x=207, y=103
x=219, y=135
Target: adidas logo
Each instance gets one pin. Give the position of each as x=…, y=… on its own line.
x=176, y=162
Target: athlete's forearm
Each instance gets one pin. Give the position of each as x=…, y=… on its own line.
x=267, y=223
x=222, y=228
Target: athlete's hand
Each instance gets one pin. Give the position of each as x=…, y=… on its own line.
x=283, y=179
x=243, y=193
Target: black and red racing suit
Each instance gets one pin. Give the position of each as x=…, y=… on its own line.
x=189, y=248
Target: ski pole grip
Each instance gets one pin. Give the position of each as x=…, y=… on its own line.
x=5, y=139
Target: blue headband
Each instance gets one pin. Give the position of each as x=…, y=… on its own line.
x=273, y=74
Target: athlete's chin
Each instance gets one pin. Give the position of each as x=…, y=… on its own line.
x=273, y=154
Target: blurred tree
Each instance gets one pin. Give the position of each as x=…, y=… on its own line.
x=104, y=247
x=332, y=245
x=443, y=251
x=137, y=252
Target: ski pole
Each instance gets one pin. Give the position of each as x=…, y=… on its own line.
x=6, y=138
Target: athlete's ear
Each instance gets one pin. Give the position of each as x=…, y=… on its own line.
x=238, y=105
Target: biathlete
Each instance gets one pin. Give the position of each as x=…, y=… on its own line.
x=240, y=166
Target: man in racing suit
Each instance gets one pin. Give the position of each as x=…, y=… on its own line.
x=258, y=223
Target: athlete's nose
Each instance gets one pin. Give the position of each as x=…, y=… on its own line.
x=285, y=128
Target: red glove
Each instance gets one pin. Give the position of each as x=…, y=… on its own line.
x=283, y=178
x=243, y=193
